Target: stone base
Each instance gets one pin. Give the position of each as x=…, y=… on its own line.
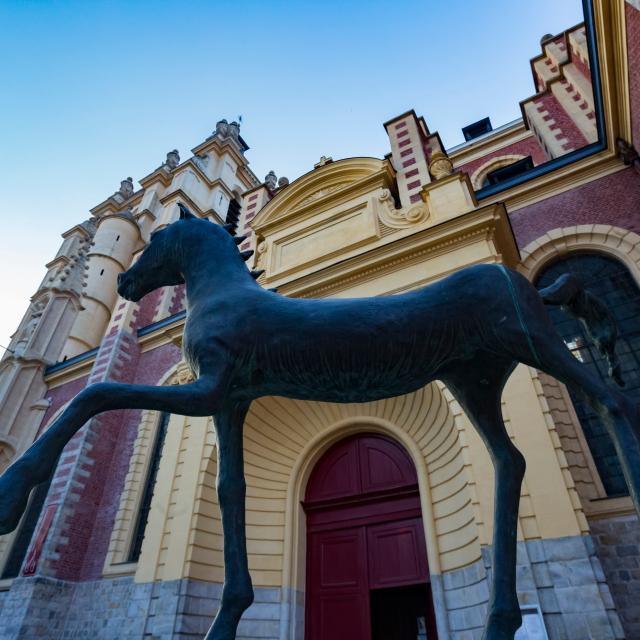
x=119, y=609
x=618, y=546
x=563, y=577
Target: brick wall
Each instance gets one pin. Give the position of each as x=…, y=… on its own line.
x=613, y=199
x=527, y=147
x=111, y=473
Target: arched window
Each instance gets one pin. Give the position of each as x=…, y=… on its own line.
x=612, y=283
x=147, y=495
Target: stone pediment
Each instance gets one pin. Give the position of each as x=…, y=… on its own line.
x=324, y=215
x=330, y=185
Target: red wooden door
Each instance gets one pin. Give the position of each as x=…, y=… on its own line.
x=340, y=596
x=365, y=532
x=396, y=554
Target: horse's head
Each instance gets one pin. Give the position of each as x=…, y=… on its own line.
x=188, y=241
x=159, y=265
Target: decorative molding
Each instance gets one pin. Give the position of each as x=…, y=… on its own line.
x=316, y=195
x=183, y=374
x=399, y=218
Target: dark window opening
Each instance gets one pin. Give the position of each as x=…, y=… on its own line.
x=145, y=504
x=25, y=532
x=511, y=170
x=477, y=129
x=233, y=215
x=611, y=282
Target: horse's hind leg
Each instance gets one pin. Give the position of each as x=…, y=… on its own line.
x=477, y=385
x=237, y=593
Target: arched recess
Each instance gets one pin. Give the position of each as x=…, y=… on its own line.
x=624, y=246
x=480, y=174
x=285, y=438
x=116, y=561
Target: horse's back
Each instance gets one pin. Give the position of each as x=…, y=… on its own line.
x=369, y=348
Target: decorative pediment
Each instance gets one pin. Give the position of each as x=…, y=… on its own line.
x=323, y=188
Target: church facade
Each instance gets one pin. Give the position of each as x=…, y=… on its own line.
x=361, y=518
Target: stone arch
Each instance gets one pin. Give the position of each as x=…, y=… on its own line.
x=480, y=174
x=615, y=241
x=285, y=438
x=624, y=246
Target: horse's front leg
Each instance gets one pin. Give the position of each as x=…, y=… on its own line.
x=478, y=388
x=237, y=593
x=38, y=463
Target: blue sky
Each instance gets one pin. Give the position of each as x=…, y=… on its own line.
x=96, y=91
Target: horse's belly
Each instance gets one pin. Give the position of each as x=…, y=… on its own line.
x=348, y=378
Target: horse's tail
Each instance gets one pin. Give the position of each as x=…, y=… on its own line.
x=567, y=292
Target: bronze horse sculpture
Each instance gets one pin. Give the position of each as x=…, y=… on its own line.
x=243, y=342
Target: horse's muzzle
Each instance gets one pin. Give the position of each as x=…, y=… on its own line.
x=125, y=287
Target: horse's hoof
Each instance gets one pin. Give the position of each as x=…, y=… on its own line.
x=502, y=625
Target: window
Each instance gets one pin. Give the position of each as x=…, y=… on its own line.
x=147, y=495
x=509, y=171
x=613, y=284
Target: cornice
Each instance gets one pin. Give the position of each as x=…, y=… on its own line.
x=515, y=132
x=226, y=145
x=70, y=373
x=180, y=193
x=499, y=145
x=404, y=249
x=555, y=182
x=164, y=334
x=113, y=205
x=25, y=361
x=77, y=227
x=160, y=175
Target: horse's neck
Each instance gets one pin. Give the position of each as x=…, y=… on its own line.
x=212, y=269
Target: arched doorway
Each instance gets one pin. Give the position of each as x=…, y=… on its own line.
x=367, y=570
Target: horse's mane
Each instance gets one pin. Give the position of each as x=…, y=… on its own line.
x=185, y=214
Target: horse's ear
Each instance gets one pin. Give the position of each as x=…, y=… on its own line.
x=185, y=214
